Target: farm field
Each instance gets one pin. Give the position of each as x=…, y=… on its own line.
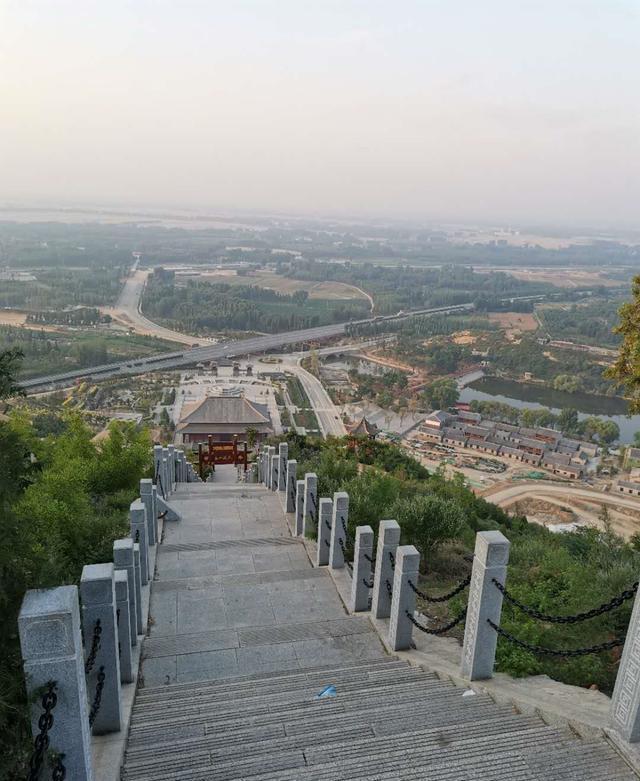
x=328, y=290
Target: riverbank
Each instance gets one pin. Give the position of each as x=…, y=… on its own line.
x=523, y=394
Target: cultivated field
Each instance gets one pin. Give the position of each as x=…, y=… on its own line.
x=328, y=290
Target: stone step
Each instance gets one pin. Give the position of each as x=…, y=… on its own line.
x=334, y=742
x=262, y=679
x=357, y=699
x=293, y=692
x=387, y=718
x=357, y=757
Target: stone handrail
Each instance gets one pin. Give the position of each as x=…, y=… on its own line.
x=52, y=623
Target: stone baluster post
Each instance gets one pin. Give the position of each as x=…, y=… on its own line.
x=148, y=499
x=171, y=457
x=157, y=462
x=51, y=644
x=299, y=507
x=274, y=459
x=138, y=523
x=403, y=602
x=124, y=626
x=98, y=595
x=138, y=586
x=388, y=541
x=310, y=507
x=361, y=569
x=484, y=604
x=283, y=453
x=166, y=477
x=274, y=463
x=338, y=533
x=292, y=466
x=625, y=703
x=123, y=560
x=325, y=517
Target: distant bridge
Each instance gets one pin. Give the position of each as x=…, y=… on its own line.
x=229, y=349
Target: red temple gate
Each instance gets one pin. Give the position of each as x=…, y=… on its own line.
x=221, y=453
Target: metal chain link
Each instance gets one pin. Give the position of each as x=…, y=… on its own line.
x=368, y=584
x=541, y=650
x=389, y=588
x=58, y=770
x=597, y=611
x=95, y=647
x=441, y=629
x=137, y=537
x=97, y=700
x=370, y=559
x=446, y=597
x=392, y=559
x=45, y=722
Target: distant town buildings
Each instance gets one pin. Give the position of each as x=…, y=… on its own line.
x=543, y=447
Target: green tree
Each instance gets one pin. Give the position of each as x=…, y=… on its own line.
x=10, y=361
x=568, y=420
x=442, y=393
x=428, y=521
x=626, y=369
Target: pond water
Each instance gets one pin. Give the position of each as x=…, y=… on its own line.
x=522, y=394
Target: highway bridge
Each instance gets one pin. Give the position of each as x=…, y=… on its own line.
x=212, y=352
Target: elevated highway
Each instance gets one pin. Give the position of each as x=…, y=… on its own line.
x=229, y=349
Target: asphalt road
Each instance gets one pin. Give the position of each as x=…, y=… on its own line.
x=326, y=412
x=127, y=311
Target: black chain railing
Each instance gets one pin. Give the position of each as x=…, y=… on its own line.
x=95, y=647
x=327, y=524
x=445, y=597
x=368, y=583
x=137, y=537
x=392, y=559
x=163, y=515
x=567, y=653
x=596, y=611
x=389, y=588
x=370, y=559
x=45, y=722
x=97, y=699
x=326, y=542
x=441, y=630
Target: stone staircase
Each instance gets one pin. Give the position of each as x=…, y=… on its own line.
x=246, y=634
x=388, y=720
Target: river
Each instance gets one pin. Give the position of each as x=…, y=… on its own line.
x=523, y=394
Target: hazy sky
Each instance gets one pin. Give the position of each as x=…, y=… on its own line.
x=501, y=110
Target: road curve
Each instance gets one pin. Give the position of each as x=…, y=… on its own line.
x=326, y=412
x=505, y=495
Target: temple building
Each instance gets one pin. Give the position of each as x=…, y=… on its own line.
x=222, y=418
x=362, y=428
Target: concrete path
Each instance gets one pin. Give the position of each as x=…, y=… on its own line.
x=245, y=634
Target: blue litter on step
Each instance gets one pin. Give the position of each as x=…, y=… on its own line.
x=328, y=691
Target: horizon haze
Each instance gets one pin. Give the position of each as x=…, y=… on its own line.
x=441, y=111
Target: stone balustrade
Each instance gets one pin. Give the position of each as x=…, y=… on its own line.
x=86, y=654
x=90, y=675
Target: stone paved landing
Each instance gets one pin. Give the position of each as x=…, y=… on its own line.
x=235, y=594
